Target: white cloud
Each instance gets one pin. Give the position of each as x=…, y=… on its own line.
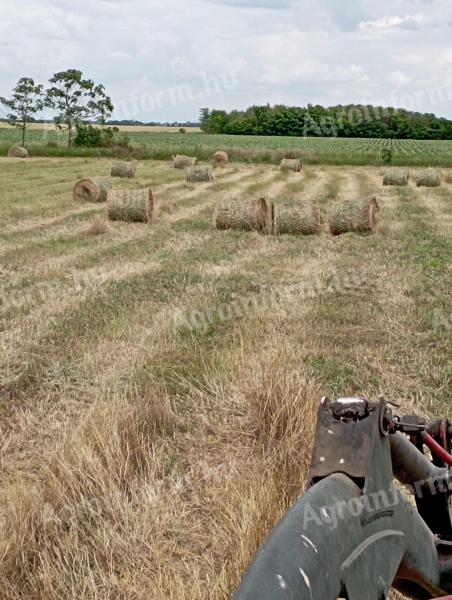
x=293, y=51
x=399, y=78
x=385, y=24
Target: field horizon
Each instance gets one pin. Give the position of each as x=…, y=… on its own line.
x=149, y=143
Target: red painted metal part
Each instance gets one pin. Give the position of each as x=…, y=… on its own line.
x=439, y=451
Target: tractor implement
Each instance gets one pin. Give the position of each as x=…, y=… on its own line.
x=376, y=514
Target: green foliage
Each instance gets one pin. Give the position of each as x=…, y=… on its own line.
x=351, y=121
x=386, y=155
x=249, y=149
x=24, y=103
x=77, y=100
x=89, y=136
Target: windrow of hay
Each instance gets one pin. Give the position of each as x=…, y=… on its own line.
x=359, y=216
x=182, y=162
x=291, y=164
x=246, y=215
x=124, y=169
x=94, y=189
x=17, y=152
x=396, y=177
x=297, y=218
x=428, y=178
x=98, y=227
x=220, y=159
x=132, y=206
x=198, y=174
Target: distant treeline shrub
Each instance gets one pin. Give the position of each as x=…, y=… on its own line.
x=351, y=121
x=88, y=136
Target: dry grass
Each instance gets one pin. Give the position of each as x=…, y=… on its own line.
x=139, y=460
x=98, y=226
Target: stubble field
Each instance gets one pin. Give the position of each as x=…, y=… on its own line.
x=142, y=457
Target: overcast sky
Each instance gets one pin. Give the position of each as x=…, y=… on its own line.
x=165, y=59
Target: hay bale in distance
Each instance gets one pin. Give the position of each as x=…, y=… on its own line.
x=132, y=206
x=297, y=218
x=94, y=189
x=182, y=162
x=245, y=215
x=359, y=216
x=198, y=174
x=17, y=152
x=291, y=164
x=428, y=178
x=396, y=177
x=220, y=159
x=124, y=169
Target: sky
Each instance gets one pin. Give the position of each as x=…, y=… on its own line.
x=164, y=60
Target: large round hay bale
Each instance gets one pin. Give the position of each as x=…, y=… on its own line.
x=220, y=159
x=94, y=189
x=396, y=177
x=182, y=162
x=359, y=216
x=198, y=174
x=133, y=206
x=291, y=164
x=124, y=169
x=428, y=178
x=297, y=218
x=246, y=215
x=17, y=152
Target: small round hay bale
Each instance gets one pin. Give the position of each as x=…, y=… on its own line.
x=291, y=164
x=244, y=215
x=182, y=162
x=297, y=218
x=124, y=169
x=198, y=174
x=17, y=152
x=428, y=178
x=94, y=189
x=396, y=177
x=359, y=216
x=132, y=206
x=220, y=159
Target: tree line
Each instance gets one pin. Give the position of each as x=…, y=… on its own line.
x=350, y=121
x=74, y=98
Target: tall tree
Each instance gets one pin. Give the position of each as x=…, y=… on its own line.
x=25, y=102
x=77, y=100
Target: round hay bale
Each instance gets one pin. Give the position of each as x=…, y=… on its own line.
x=17, y=152
x=359, y=216
x=245, y=215
x=428, y=178
x=396, y=177
x=132, y=206
x=220, y=159
x=182, y=162
x=124, y=169
x=94, y=189
x=198, y=174
x=291, y=164
x=297, y=218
